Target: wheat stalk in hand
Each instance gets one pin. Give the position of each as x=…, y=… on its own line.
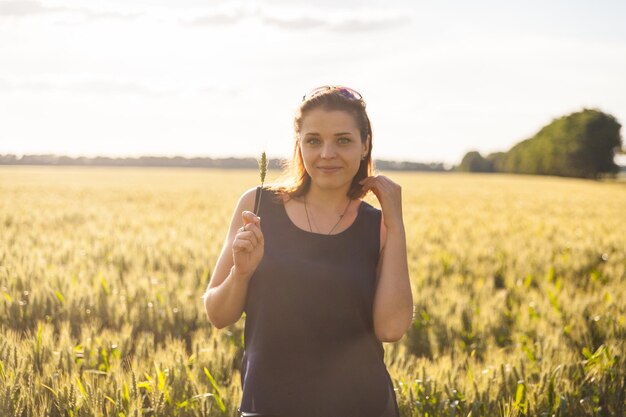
x=262, y=172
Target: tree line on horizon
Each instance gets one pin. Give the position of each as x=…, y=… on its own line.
x=197, y=162
x=582, y=145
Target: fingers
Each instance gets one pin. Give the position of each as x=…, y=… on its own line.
x=252, y=223
x=249, y=217
x=376, y=183
x=374, y=179
x=245, y=241
x=389, y=194
x=379, y=182
x=368, y=182
x=385, y=189
x=242, y=245
x=248, y=236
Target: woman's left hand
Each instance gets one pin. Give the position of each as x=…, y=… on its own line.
x=389, y=195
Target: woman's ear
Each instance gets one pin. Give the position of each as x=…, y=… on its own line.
x=365, y=147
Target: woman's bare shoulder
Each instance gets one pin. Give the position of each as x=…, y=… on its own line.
x=246, y=201
x=248, y=198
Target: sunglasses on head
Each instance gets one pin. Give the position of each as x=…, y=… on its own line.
x=346, y=92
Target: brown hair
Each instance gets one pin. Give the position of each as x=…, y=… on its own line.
x=295, y=179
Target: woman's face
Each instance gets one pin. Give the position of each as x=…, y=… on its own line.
x=331, y=147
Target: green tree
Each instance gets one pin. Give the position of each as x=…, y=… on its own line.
x=497, y=160
x=473, y=161
x=581, y=144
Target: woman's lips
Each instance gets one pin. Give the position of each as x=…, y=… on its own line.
x=328, y=170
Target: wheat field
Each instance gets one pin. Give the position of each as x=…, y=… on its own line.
x=518, y=284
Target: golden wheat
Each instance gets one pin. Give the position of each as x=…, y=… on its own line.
x=518, y=285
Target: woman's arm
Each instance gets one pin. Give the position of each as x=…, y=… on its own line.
x=225, y=297
x=393, y=302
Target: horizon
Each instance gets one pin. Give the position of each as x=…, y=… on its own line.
x=620, y=159
x=269, y=157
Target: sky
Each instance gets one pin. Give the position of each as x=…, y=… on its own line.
x=223, y=78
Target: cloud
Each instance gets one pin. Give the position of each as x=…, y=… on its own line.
x=93, y=15
x=118, y=87
x=215, y=18
x=353, y=19
x=340, y=20
x=27, y=8
x=101, y=86
x=294, y=23
x=22, y=8
x=92, y=86
x=372, y=23
x=229, y=91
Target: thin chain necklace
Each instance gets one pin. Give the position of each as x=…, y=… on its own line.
x=306, y=210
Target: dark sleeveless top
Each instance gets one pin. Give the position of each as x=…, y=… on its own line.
x=310, y=347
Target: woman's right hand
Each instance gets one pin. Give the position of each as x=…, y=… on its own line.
x=248, y=245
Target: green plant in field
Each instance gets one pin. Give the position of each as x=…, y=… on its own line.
x=262, y=174
x=101, y=273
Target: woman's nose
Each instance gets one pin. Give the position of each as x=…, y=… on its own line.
x=328, y=150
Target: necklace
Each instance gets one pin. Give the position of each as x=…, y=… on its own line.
x=306, y=210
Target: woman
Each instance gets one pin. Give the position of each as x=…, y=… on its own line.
x=323, y=278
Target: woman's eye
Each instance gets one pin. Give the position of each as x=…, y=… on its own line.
x=312, y=141
x=344, y=140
